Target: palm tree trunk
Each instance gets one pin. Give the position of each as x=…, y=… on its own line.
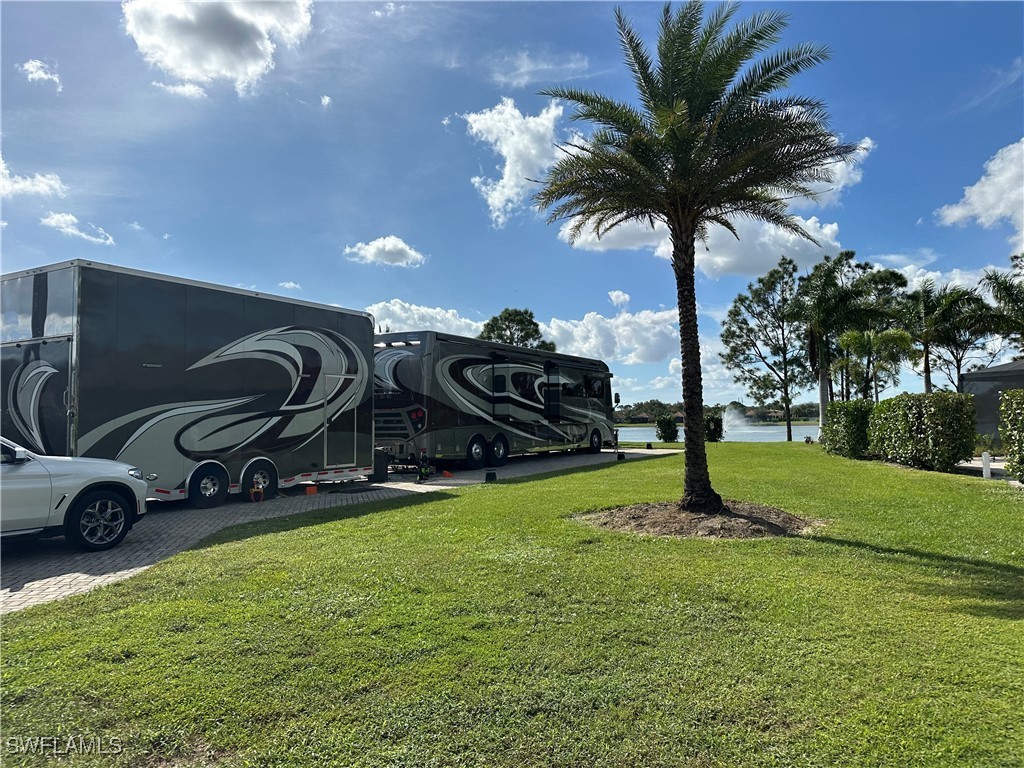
x=927, y=368
x=698, y=495
x=823, y=384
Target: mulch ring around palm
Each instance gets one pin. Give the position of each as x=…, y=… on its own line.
x=739, y=520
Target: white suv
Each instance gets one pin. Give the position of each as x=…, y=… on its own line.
x=92, y=502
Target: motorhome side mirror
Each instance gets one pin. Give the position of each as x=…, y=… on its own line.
x=20, y=455
x=617, y=398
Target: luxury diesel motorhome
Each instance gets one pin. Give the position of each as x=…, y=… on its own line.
x=480, y=402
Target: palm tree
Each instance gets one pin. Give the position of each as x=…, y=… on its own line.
x=930, y=314
x=707, y=141
x=878, y=356
x=829, y=304
x=1008, y=291
x=960, y=344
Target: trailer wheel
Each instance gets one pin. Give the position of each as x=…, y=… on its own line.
x=97, y=521
x=263, y=473
x=476, y=453
x=208, y=487
x=594, y=446
x=497, y=452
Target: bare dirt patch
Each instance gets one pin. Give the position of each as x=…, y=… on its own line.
x=739, y=520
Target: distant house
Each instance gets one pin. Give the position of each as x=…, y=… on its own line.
x=775, y=415
x=986, y=385
x=679, y=417
x=640, y=418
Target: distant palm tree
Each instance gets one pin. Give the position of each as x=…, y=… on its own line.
x=930, y=314
x=707, y=142
x=829, y=304
x=879, y=355
x=1008, y=291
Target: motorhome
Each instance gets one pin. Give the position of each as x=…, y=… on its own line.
x=209, y=390
x=479, y=402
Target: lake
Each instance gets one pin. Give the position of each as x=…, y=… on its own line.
x=737, y=433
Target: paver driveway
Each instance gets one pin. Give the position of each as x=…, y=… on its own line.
x=37, y=571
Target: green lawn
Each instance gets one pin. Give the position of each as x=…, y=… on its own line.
x=485, y=626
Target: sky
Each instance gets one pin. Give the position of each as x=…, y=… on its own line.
x=379, y=156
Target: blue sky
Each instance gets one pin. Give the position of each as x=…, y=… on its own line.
x=376, y=156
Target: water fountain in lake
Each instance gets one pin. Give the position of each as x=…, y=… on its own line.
x=734, y=419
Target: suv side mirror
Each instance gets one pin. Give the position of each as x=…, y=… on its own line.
x=20, y=455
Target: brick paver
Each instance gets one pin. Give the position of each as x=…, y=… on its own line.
x=40, y=570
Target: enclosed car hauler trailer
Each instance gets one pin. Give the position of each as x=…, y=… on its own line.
x=209, y=390
x=480, y=401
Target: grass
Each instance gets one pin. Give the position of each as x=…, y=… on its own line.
x=485, y=626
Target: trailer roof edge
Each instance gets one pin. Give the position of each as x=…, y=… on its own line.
x=182, y=281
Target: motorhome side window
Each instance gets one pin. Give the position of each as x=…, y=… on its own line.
x=525, y=386
x=595, y=387
x=573, y=389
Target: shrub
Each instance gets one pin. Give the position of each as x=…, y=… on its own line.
x=714, y=429
x=846, y=430
x=1011, y=430
x=935, y=431
x=667, y=429
x=986, y=442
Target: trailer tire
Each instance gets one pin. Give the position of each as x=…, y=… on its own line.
x=97, y=521
x=497, y=452
x=263, y=472
x=476, y=453
x=594, y=446
x=208, y=487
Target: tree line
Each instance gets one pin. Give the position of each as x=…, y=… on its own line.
x=849, y=327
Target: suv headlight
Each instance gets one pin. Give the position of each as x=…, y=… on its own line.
x=135, y=472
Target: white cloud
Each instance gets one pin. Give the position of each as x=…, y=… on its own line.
x=965, y=278
x=1002, y=84
x=203, y=42
x=526, y=144
x=757, y=250
x=389, y=251
x=68, y=224
x=389, y=9
x=618, y=298
x=845, y=174
x=399, y=315
x=34, y=69
x=760, y=246
x=188, y=90
x=290, y=285
x=136, y=226
x=630, y=236
x=39, y=184
x=3, y=224
x=642, y=337
x=919, y=257
x=325, y=101
x=523, y=68
x=997, y=196
x=166, y=236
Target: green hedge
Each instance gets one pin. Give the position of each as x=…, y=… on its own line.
x=1011, y=430
x=667, y=429
x=935, y=431
x=714, y=428
x=846, y=428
